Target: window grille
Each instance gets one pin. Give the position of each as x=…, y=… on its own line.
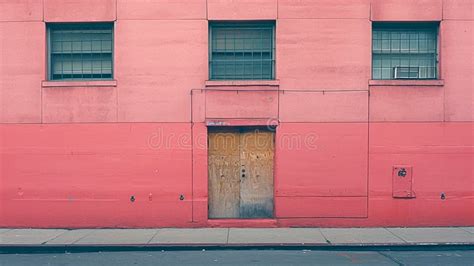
x=404, y=51
x=80, y=51
x=242, y=51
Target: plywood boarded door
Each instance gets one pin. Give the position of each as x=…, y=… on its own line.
x=224, y=170
x=240, y=173
x=256, y=179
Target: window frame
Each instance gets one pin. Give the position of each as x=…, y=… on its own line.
x=49, y=29
x=408, y=26
x=244, y=23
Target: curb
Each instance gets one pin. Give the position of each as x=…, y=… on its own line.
x=79, y=248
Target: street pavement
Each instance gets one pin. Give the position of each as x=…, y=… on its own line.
x=245, y=257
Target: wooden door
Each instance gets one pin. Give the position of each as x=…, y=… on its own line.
x=224, y=173
x=256, y=179
x=240, y=173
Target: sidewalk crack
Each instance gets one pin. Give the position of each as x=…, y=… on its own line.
x=392, y=233
x=325, y=238
x=154, y=235
x=52, y=238
x=465, y=230
x=80, y=238
x=228, y=232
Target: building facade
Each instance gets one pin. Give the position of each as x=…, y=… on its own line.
x=174, y=113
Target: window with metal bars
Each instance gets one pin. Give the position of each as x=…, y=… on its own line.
x=405, y=51
x=242, y=51
x=80, y=51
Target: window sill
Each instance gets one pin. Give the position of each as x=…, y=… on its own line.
x=394, y=82
x=242, y=83
x=89, y=83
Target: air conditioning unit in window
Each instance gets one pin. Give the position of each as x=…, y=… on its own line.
x=406, y=72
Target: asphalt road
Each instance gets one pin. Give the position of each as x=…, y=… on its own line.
x=245, y=257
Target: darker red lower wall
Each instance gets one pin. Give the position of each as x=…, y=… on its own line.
x=442, y=157
x=83, y=175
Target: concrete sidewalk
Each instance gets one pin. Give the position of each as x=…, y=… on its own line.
x=239, y=237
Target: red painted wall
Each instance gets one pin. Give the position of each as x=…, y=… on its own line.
x=73, y=155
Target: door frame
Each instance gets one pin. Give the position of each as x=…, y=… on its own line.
x=272, y=127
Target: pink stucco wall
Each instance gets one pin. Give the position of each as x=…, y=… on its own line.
x=72, y=154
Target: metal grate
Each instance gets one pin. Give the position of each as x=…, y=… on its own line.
x=80, y=51
x=404, y=51
x=242, y=51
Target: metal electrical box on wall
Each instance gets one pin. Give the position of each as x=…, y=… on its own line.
x=402, y=182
